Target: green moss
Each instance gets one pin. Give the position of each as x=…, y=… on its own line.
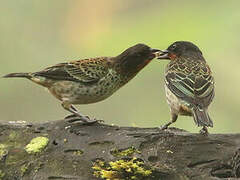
x=3, y=151
x=125, y=152
x=38, y=166
x=121, y=170
x=2, y=174
x=24, y=169
x=36, y=145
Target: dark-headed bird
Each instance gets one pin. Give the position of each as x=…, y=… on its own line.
x=189, y=83
x=91, y=80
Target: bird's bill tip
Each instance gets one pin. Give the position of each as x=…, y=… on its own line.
x=163, y=54
x=5, y=76
x=155, y=52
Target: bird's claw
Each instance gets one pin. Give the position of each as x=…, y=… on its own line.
x=74, y=117
x=92, y=122
x=99, y=120
x=165, y=126
x=204, y=131
x=162, y=128
x=84, y=120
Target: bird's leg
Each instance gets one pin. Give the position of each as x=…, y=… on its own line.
x=204, y=131
x=71, y=116
x=174, y=119
x=73, y=110
x=76, y=115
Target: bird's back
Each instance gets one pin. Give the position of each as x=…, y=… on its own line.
x=190, y=80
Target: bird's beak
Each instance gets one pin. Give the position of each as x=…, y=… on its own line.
x=164, y=54
x=156, y=52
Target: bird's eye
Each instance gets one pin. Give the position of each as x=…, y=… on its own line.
x=174, y=46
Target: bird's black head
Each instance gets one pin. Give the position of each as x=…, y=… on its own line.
x=136, y=57
x=180, y=49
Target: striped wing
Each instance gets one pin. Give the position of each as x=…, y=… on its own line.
x=86, y=70
x=194, y=88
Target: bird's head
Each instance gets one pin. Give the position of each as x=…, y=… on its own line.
x=136, y=57
x=180, y=49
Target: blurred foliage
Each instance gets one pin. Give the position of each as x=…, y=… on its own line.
x=36, y=34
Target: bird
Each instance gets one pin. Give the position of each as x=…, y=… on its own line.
x=189, y=83
x=90, y=80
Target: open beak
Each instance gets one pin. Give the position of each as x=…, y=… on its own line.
x=163, y=54
x=156, y=52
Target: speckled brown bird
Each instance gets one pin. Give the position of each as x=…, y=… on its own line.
x=91, y=80
x=189, y=83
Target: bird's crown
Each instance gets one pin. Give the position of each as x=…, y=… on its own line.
x=183, y=47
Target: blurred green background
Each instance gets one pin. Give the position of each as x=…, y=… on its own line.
x=36, y=34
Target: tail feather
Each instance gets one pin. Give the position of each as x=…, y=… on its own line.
x=202, y=118
x=21, y=75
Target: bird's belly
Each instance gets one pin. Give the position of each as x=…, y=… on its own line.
x=78, y=93
x=177, y=106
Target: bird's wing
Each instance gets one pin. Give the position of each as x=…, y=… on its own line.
x=85, y=70
x=195, y=87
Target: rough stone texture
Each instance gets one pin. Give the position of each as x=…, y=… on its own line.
x=72, y=149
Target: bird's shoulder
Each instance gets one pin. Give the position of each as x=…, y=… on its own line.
x=93, y=62
x=92, y=68
x=189, y=66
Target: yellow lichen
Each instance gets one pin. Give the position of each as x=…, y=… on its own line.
x=78, y=152
x=36, y=145
x=24, y=169
x=121, y=170
x=125, y=152
x=3, y=151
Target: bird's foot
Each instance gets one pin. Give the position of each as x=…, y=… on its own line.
x=162, y=128
x=204, y=131
x=71, y=116
x=84, y=120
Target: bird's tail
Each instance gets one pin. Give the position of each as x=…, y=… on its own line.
x=30, y=76
x=201, y=117
x=21, y=75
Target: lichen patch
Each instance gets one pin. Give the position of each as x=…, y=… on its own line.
x=125, y=152
x=36, y=145
x=123, y=169
x=3, y=151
